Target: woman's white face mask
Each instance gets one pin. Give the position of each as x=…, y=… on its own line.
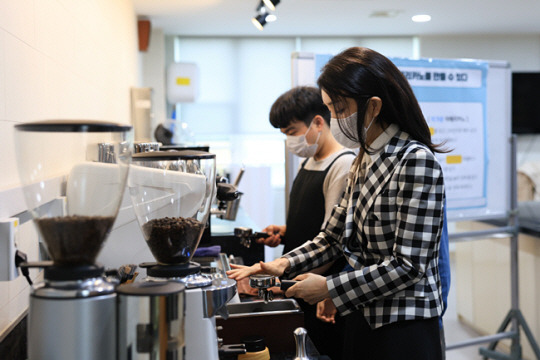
x=350, y=127
x=298, y=145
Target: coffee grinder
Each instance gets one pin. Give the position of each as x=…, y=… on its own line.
x=172, y=192
x=74, y=200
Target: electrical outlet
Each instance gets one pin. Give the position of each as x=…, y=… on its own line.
x=9, y=229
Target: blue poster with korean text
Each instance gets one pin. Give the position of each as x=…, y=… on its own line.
x=452, y=95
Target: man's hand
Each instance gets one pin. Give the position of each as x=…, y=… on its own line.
x=275, y=232
x=310, y=287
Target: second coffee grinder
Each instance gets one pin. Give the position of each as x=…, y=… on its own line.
x=172, y=192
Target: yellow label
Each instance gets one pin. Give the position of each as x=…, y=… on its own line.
x=16, y=223
x=454, y=159
x=183, y=81
x=431, y=131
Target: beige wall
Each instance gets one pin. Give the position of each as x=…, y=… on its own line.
x=58, y=59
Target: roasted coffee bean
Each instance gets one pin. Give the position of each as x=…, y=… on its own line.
x=74, y=240
x=172, y=240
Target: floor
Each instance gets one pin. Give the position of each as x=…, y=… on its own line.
x=455, y=331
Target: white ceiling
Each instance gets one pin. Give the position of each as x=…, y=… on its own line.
x=343, y=17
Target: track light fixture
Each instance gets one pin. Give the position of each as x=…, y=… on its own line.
x=271, y=4
x=259, y=21
x=263, y=14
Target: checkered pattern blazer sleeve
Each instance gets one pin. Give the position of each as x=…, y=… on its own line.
x=388, y=227
x=326, y=246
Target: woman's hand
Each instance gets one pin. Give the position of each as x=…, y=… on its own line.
x=276, y=268
x=310, y=287
x=326, y=311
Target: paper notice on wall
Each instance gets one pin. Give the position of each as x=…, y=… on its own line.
x=460, y=127
x=452, y=95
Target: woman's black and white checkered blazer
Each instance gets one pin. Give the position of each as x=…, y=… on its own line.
x=388, y=226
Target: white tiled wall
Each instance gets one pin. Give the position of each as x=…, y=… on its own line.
x=58, y=59
x=2, y=76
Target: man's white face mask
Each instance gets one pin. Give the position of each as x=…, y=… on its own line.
x=298, y=145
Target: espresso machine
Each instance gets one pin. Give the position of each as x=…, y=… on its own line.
x=74, y=200
x=171, y=193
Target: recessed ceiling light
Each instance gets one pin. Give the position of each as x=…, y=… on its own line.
x=421, y=18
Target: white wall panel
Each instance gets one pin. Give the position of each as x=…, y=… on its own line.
x=46, y=101
x=22, y=68
x=54, y=38
x=8, y=173
x=17, y=18
x=2, y=75
x=58, y=59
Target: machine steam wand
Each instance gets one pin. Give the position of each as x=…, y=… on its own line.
x=228, y=198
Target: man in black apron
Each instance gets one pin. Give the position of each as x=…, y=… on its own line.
x=301, y=115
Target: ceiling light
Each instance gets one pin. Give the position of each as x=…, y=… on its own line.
x=271, y=4
x=259, y=21
x=421, y=18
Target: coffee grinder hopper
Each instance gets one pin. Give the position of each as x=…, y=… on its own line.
x=171, y=193
x=73, y=198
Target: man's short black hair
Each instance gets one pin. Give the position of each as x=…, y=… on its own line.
x=301, y=103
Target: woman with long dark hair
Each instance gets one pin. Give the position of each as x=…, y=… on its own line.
x=388, y=222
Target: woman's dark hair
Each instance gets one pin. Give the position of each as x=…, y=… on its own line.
x=361, y=73
x=301, y=103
